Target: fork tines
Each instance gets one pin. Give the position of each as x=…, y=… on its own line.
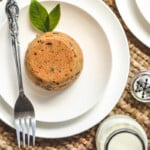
x=26, y=126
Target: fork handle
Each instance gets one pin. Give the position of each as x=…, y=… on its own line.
x=12, y=11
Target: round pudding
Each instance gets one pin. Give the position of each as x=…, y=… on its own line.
x=53, y=60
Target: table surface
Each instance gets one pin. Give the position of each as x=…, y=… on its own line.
x=127, y=105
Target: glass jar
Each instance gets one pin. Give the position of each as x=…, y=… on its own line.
x=121, y=132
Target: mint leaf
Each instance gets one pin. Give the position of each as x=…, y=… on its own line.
x=39, y=16
x=54, y=17
x=41, y=19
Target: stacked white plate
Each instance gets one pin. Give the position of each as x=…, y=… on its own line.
x=103, y=78
x=135, y=14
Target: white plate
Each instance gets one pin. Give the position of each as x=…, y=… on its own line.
x=134, y=20
x=144, y=7
x=115, y=86
x=89, y=87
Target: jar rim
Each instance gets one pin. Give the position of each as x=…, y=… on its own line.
x=124, y=130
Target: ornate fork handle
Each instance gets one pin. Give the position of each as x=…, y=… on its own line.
x=12, y=11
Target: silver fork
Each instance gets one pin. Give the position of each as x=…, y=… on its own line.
x=24, y=115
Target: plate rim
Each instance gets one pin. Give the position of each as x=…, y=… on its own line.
x=140, y=9
x=124, y=76
x=136, y=32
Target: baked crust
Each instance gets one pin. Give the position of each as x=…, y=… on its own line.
x=53, y=60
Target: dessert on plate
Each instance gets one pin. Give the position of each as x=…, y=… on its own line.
x=53, y=60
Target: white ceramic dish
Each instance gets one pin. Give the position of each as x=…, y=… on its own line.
x=89, y=87
x=143, y=6
x=134, y=20
x=113, y=90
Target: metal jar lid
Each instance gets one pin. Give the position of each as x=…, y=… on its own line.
x=117, y=125
x=140, y=86
x=124, y=130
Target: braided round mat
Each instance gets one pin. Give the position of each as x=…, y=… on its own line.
x=127, y=105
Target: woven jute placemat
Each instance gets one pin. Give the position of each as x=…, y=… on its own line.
x=140, y=61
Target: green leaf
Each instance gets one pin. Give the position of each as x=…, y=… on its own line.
x=54, y=17
x=39, y=16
